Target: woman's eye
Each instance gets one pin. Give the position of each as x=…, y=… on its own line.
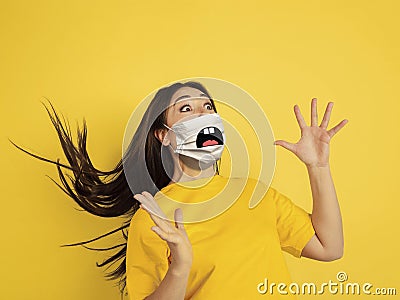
x=183, y=108
x=210, y=106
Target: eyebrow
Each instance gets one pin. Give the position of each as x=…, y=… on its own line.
x=187, y=96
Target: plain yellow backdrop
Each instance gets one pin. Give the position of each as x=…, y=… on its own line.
x=97, y=60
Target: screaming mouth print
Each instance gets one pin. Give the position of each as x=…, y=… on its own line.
x=209, y=136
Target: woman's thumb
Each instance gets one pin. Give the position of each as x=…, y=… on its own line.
x=285, y=145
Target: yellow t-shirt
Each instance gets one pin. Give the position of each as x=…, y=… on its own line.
x=233, y=253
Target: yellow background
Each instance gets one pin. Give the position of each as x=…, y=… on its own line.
x=98, y=60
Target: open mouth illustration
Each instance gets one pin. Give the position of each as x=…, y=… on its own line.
x=209, y=136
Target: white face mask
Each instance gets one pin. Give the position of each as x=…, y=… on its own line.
x=202, y=138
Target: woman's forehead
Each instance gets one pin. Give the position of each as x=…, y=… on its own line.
x=186, y=93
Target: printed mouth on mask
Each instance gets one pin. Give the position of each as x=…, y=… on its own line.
x=209, y=136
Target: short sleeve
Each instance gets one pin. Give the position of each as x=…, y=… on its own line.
x=293, y=224
x=146, y=258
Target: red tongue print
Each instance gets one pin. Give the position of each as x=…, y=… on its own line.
x=210, y=142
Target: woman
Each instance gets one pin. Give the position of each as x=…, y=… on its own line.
x=218, y=258
x=162, y=270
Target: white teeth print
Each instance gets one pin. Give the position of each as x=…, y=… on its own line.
x=208, y=130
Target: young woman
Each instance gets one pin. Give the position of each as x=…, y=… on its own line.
x=229, y=255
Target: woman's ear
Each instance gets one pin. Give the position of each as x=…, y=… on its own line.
x=162, y=136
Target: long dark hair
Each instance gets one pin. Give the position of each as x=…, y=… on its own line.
x=112, y=196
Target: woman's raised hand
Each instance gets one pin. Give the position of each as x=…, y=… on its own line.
x=313, y=146
x=175, y=236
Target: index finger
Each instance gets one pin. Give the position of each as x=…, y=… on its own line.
x=299, y=117
x=154, y=204
x=150, y=203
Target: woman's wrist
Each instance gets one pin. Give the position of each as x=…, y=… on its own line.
x=318, y=166
x=180, y=270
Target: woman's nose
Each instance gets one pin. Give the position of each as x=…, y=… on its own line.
x=201, y=109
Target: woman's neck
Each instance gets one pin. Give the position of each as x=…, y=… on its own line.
x=186, y=171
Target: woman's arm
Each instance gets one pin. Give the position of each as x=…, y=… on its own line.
x=327, y=244
x=313, y=150
x=173, y=286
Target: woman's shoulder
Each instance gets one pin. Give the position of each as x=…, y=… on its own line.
x=140, y=220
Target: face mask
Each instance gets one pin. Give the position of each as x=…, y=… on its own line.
x=201, y=138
